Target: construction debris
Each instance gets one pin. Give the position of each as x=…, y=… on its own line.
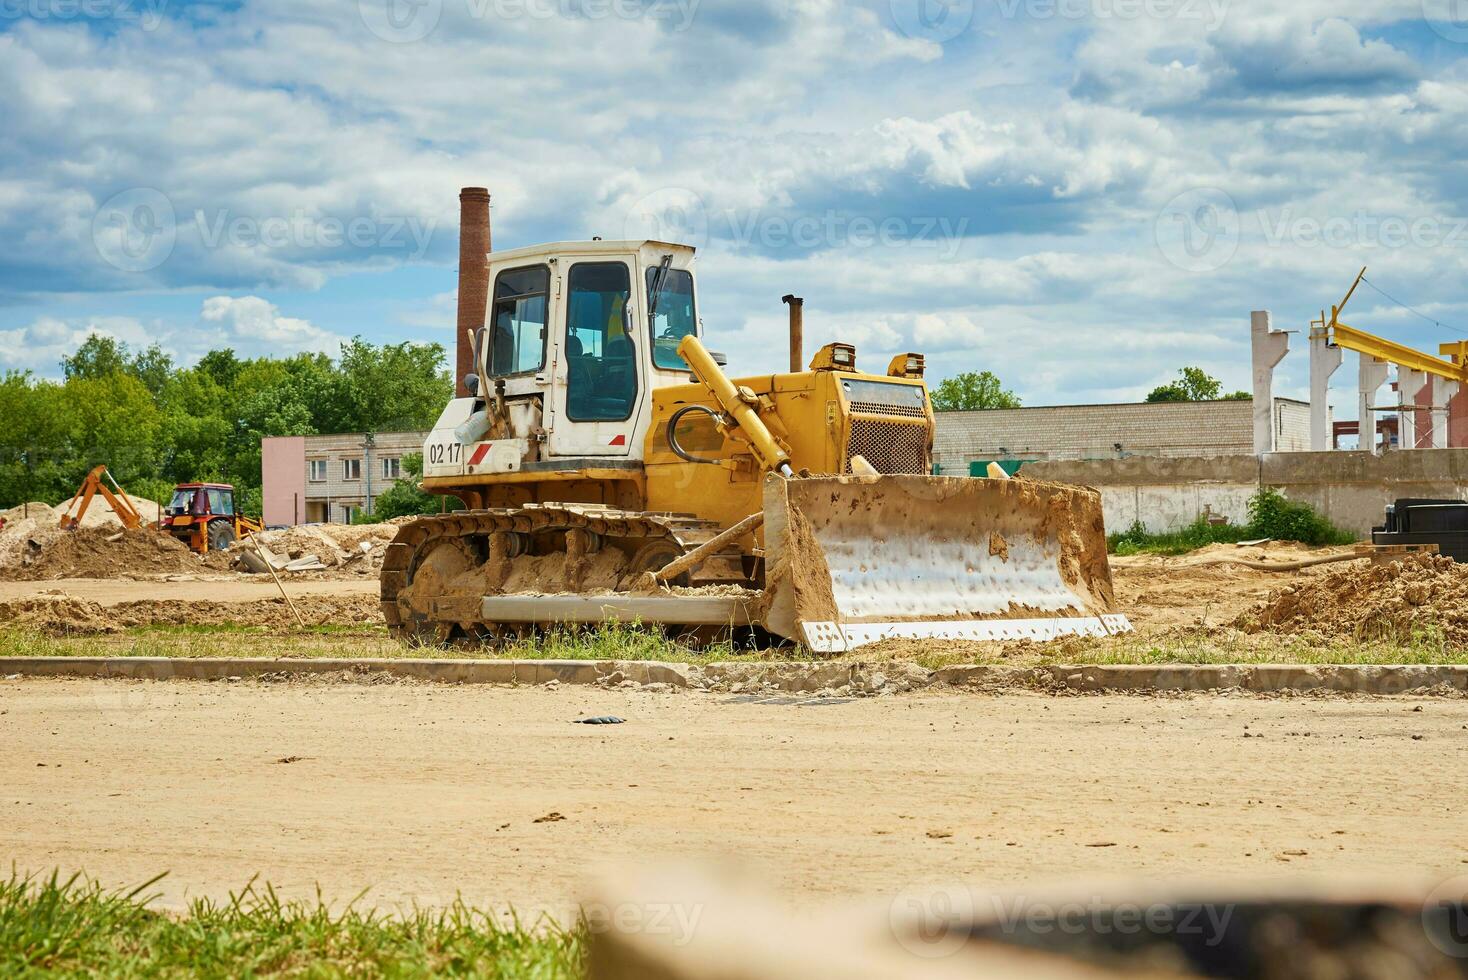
x=348, y=550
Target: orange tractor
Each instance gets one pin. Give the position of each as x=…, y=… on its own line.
x=201, y=515
x=204, y=517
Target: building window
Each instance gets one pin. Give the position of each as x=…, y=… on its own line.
x=391, y=468
x=317, y=470
x=351, y=469
x=349, y=512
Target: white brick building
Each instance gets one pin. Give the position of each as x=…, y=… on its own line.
x=1216, y=428
x=330, y=478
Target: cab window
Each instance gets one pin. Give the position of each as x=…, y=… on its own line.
x=673, y=318
x=221, y=501
x=517, y=321
x=601, y=368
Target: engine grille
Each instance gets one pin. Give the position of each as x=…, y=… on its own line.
x=891, y=447
x=886, y=408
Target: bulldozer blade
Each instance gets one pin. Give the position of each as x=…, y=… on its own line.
x=855, y=559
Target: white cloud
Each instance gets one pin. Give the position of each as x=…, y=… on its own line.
x=1048, y=145
x=40, y=345
x=250, y=323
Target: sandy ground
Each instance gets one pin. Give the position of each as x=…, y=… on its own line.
x=111, y=591
x=419, y=791
x=1161, y=592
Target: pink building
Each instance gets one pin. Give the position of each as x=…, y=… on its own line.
x=330, y=478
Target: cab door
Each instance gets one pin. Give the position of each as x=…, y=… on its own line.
x=600, y=390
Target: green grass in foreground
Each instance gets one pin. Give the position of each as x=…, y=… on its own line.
x=1184, y=645
x=609, y=642
x=54, y=927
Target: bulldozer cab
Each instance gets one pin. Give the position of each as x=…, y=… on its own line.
x=576, y=336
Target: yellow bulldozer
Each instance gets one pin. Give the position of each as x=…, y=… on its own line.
x=610, y=470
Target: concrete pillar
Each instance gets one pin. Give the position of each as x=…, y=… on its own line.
x=1372, y=376
x=1324, y=359
x=1409, y=387
x=1269, y=348
x=1443, y=392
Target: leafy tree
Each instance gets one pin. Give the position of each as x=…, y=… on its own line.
x=155, y=423
x=394, y=387
x=97, y=357
x=972, y=391
x=1193, y=385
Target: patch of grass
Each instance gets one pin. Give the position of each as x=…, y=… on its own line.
x=1271, y=515
x=1425, y=643
x=54, y=927
x=1137, y=539
x=611, y=641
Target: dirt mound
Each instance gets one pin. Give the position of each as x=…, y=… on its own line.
x=1391, y=601
x=29, y=553
x=59, y=613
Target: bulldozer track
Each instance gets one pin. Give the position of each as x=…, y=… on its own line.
x=495, y=533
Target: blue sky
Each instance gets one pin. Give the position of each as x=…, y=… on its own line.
x=1080, y=195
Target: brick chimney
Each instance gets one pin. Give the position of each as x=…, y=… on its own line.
x=473, y=278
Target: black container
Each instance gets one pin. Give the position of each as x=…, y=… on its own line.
x=1417, y=520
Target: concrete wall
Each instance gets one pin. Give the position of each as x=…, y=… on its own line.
x=1161, y=493
x=283, y=479
x=1094, y=431
x=1350, y=488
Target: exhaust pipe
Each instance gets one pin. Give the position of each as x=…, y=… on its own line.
x=797, y=331
x=474, y=246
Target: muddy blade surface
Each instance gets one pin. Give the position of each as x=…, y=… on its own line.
x=856, y=559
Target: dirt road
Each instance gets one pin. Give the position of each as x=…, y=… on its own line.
x=420, y=791
x=112, y=591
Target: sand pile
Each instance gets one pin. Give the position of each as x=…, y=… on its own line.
x=1365, y=602
x=35, y=510
x=100, y=514
x=57, y=613
x=29, y=552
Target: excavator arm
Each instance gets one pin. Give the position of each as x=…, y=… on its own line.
x=120, y=502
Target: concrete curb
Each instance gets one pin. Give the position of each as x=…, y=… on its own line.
x=837, y=678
